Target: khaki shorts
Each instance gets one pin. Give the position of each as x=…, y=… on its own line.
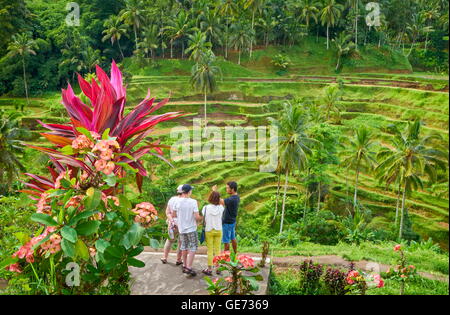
x=189, y=241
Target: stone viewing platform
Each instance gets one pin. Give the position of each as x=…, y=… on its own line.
x=157, y=278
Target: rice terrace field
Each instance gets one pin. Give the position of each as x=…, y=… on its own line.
x=362, y=170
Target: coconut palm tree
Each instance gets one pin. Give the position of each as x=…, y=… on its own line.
x=411, y=157
x=241, y=38
x=114, y=30
x=10, y=148
x=228, y=9
x=134, y=14
x=329, y=15
x=331, y=100
x=344, y=46
x=254, y=6
x=203, y=77
x=210, y=24
x=359, y=153
x=354, y=5
x=309, y=11
x=197, y=45
x=24, y=46
x=177, y=29
x=150, y=40
x=294, y=145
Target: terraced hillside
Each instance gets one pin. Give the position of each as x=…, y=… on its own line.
x=248, y=96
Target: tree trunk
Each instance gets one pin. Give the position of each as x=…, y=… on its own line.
x=356, y=186
x=276, y=200
x=239, y=58
x=397, y=205
x=135, y=37
x=120, y=49
x=182, y=49
x=171, y=49
x=400, y=233
x=25, y=83
x=318, y=198
x=338, y=62
x=328, y=36
x=206, y=123
x=356, y=25
x=253, y=31
x=284, y=200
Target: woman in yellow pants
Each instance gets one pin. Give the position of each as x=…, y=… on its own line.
x=212, y=213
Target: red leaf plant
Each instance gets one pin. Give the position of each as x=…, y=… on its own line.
x=103, y=115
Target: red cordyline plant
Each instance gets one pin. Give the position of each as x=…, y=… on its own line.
x=85, y=220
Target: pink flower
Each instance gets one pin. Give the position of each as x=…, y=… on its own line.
x=101, y=146
x=109, y=168
x=115, y=199
x=43, y=206
x=113, y=143
x=95, y=135
x=14, y=268
x=92, y=251
x=145, y=213
x=106, y=155
x=82, y=142
x=397, y=248
x=378, y=281
x=229, y=279
x=100, y=165
x=246, y=261
x=412, y=267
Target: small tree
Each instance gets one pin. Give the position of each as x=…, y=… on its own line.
x=344, y=47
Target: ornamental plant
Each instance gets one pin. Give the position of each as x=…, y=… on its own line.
x=90, y=232
x=310, y=277
x=359, y=282
x=242, y=275
x=402, y=272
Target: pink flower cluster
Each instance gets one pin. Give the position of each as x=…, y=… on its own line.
x=397, y=248
x=145, y=213
x=43, y=205
x=75, y=202
x=53, y=245
x=26, y=251
x=82, y=142
x=246, y=261
x=106, y=149
x=225, y=256
x=354, y=277
x=378, y=281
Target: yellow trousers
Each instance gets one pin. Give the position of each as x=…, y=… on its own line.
x=213, y=241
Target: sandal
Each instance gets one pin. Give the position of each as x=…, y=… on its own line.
x=164, y=261
x=207, y=272
x=189, y=271
x=218, y=272
x=178, y=263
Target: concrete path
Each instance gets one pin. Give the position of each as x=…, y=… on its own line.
x=167, y=279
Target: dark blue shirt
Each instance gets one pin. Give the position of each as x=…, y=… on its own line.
x=231, y=209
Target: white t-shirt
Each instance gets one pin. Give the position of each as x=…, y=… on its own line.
x=213, y=217
x=171, y=204
x=185, y=209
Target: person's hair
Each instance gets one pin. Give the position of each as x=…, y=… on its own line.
x=233, y=185
x=214, y=198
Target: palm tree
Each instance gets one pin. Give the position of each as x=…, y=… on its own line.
x=294, y=145
x=359, y=153
x=203, y=76
x=150, y=40
x=331, y=99
x=255, y=6
x=197, y=45
x=410, y=158
x=23, y=46
x=354, y=5
x=114, y=30
x=241, y=38
x=343, y=46
x=227, y=8
x=177, y=29
x=267, y=25
x=429, y=16
x=134, y=14
x=10, y=147
x=309, y=10
x=211, y=25
x=329, y=15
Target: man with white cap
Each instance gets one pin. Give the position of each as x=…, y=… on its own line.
x=186, y=210
x=172, y=228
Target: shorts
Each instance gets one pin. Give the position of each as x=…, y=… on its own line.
x=189, y=241
x=229, y=232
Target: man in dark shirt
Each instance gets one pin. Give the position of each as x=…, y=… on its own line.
x=229, y=216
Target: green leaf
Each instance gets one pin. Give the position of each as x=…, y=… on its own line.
x=88, y=228
x=128, y=156
x=136, y=251
x=125, y=206
x=136, y=262
x=68, y=248
x=81, y=250
x=67, y=150
x=65, y=183
x=111, y=180
x=81, y=216
x=154, y=243
x=22, y=237
x=105, y=135
x=133, y=236
x=8, y=261
x=101, y=245
x=93, y=199
x=69, y=234
x=44, y=219
x=114, y=252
